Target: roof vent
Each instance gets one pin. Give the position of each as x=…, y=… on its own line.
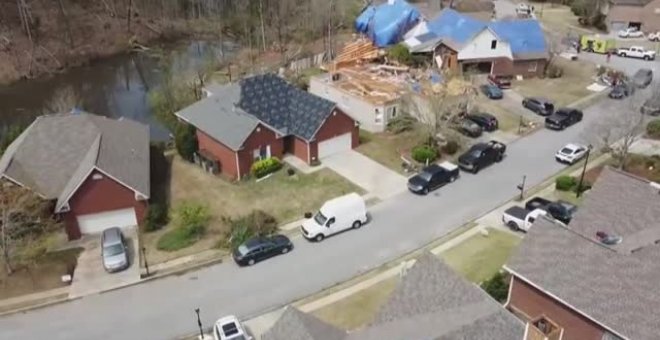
x=608, y=239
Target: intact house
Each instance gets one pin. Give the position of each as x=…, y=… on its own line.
x=641, y=14
x=461, y=43
x=431, y=301
x=263, y=116
x=360, y=92
x=598, y=278
x=94, y=169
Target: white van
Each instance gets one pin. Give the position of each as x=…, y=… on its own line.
x=336, y=215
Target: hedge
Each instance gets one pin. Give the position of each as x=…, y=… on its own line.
x=565, y=183
x=424, y=153
x=265, y=166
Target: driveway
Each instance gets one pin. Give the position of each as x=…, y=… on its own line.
x=367, y=173
x=90, y=277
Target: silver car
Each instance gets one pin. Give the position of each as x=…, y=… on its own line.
x=113, y=250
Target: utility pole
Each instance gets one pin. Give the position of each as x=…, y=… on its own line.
x=521, y=187
x=584, y=169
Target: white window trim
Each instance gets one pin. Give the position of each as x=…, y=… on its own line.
x=533, y=69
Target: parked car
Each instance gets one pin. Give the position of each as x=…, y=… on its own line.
x=571, y=153
x=433, y=177
x=487, y=121
x=469, y=128
x=621, y=90
x=560, y=210
x=503, y=82
x=643, y=77
x=114, y=250
x=229, y=328
x=540, y=106
x=260, y=248
x=654, y=36
x=563, y=118
x=491, y=91
x=521, y=219
x=336, y=215
x=630, y=32
x=635, y=52
x=651, y=106
x=481, y=155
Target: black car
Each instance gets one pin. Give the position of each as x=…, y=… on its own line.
x=621, y=90
x=563, y=118
x=481, y=155
x=469, y=128
x=487, y=121
x=261, y=248
x=433, y=177
x=559, y=210
x=491, y=91
x=539, y=106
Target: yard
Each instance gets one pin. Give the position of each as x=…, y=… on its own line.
x=386, y=148
x=569, y=88
x=284, y=197
x=559, y=20
x=508, y=122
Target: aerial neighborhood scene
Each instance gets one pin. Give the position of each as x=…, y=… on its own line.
x=330, y=169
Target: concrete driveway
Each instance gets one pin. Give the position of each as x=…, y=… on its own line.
x=90, y=277
x=367, y=173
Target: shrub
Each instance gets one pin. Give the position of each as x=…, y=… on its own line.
x=554, y=71
x=497, y=287
x=565, y=183
x=653, y=129
x=424, y=153
x=257, y=223
x=401, y=54
x=450, y=147
x=585, y=186
x=191, y=222
x=186, y=141
x=265, y=166
x=156, y=217
x=401, y=123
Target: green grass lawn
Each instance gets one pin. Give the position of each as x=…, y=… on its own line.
x=480, y=257
x=507, y=121
x=386, y=148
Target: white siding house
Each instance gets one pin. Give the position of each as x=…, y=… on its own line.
x=485, y=45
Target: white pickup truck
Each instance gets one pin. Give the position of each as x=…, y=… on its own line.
x=521, y=219
x=636, y=52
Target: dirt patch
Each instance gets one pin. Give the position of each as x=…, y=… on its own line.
x=43, y=275
x=644, y=166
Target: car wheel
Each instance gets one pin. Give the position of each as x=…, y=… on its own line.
x=513, y=226
x=498, y=159
x=319, y=237
x=425, y=191
x=285, y=250
x=251, y=262
x=357, y=225
x=452, y=178
x=476, y=170
x=623, y=55
x=647, y=58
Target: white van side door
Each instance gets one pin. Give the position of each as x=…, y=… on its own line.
x=332, y=226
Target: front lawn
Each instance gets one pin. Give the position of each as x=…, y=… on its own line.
x=284, y=197
x=507, y=121
x=567, y=89
x=479, y=257
x=386, y=148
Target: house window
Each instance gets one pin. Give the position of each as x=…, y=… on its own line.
x=532, y=67
x=393, y=111
x=261, y=153
x=97, y=176
x=379, y=116
x=493, y=44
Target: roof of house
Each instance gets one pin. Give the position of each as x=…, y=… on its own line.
x=454, y=28
x=614, y=285
x=56, y=153
x=525, y=37
x=231, y=112
x=630, y=2
x=430, y=302
x=296, y=325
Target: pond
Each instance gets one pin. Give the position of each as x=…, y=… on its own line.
x=115, y=87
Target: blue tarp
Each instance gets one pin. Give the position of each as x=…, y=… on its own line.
x=386, y=24
x=454, y=27
x=524, y=36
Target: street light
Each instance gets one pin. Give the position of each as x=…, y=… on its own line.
x=144, y=256
x=584, y=169
x=199, y=323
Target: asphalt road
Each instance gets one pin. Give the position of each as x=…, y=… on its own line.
x=163, y=309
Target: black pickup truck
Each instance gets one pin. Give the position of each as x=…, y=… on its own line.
x=559, y=210
x=481, y=155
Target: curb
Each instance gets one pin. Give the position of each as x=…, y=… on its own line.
x=38, y=306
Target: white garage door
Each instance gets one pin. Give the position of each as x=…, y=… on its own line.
x=334, y=145
x=96, y=223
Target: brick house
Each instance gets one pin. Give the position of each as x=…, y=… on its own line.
x=94, y=169
x=264, y=116
x=642, y=14
x=599, y=277
x=462, y=43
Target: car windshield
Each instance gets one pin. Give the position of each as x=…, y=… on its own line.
x=113, y=250
x=475, y=153
x=566, y=151
x=243, y=249
x=320, y=218
x=425, y=176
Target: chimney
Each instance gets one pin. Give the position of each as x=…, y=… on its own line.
x=543, y=328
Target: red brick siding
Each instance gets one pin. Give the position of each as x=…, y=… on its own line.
x=225, y=155
x=299, y=148
x=260, y=137
x=100, y=195
x=337, y=124
x=521, y=67
x=533, y=303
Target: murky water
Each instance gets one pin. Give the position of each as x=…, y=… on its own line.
x=113, y=87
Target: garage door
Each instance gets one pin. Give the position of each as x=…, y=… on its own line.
x=616, y=26
x=96, y=223
x=334, y=145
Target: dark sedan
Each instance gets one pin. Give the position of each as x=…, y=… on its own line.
x=469, y=128
x=491, y=91
x=487, y=121
x=260, y=248
x=621, y=90
x=563, y=118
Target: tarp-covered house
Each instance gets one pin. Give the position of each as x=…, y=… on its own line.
x=385, y=24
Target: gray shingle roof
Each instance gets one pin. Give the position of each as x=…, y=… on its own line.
x=54, y=154
x=616, y=287
x=296, y=325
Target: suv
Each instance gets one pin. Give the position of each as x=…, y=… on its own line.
x=563, y=118
x=114, y=250
x=433, y=177
x=643, y=77
x=229, y=328
x=469, y=128
x=540, y=106
x=487, y=121
x=481, y=155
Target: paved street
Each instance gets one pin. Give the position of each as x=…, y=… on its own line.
x=163, y=309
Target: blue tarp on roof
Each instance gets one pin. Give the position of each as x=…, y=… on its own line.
x=387, y=23
x=524, y=36
x=454, y=26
